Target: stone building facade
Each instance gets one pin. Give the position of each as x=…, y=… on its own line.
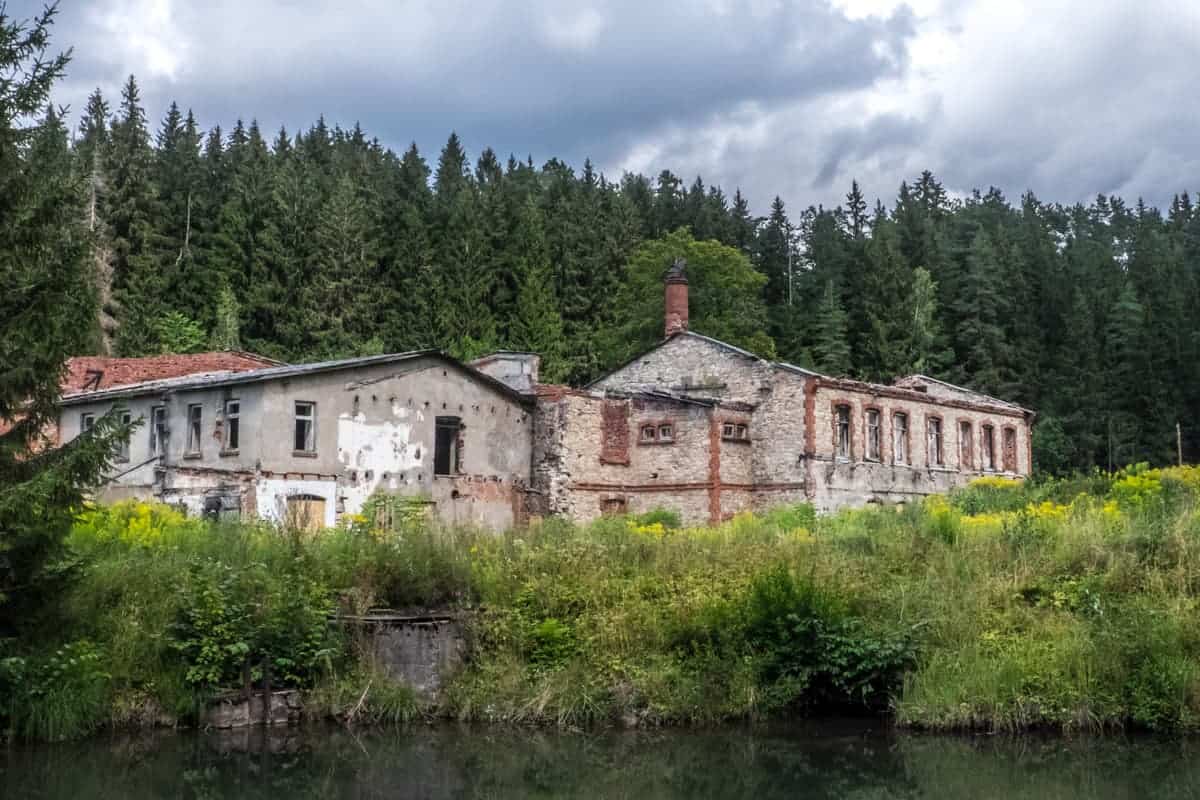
x=749, y=433
x=693, y=425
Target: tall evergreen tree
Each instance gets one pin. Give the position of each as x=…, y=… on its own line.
x=132, y=211
x=831, y=349
x=46, y=314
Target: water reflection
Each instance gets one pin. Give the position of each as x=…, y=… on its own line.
x=845, y=760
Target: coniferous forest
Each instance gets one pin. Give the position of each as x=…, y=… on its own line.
x=324, y=243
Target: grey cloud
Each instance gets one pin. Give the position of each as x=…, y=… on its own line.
x=493, y=73
x=788, y=98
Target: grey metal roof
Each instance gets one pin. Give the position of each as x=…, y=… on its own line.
x=208, y=380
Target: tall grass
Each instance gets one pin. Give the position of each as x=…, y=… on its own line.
x=1068, y=604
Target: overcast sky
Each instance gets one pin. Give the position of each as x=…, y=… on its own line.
x=1065, y=97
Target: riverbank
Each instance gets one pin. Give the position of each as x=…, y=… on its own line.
x=1068, y=605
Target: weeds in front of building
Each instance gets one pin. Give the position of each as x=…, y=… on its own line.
x=1066, y=604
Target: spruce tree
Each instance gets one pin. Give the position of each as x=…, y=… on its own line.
x=537, y=324
x=830, y=349
x=887, y=284
x=46, y=314
x=132, y=211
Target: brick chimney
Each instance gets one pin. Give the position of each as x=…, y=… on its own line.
x=675, y=316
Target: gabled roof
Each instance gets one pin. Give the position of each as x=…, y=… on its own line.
x=679, y=334
x=232, y=378
x=907, y=384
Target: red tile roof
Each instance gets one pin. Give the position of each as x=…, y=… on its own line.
x=99, y=372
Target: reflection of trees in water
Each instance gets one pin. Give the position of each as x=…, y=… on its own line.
x=816, y=761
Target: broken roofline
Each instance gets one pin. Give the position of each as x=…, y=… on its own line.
x=671, y=397
x=210, y=380
x=983, y=403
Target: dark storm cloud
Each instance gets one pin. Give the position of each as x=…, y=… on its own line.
x=789, y=97
x=548, y=79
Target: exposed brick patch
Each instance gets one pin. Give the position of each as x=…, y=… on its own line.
x=714, y=468
x=614, y=432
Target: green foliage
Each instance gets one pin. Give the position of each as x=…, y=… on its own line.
x=1066, y=603
x=661, y=516
x=177, y=333
x=58, y=695
x=47, y=313
x=238, y=623
x=724, y=296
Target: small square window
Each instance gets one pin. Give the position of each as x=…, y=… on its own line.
x=729, y=431
x=649, y=433
x=666, y=433
x=87, y=422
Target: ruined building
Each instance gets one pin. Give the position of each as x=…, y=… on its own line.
x=694, y=425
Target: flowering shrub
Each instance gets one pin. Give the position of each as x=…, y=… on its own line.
x=1136, y=489
x=130, y=522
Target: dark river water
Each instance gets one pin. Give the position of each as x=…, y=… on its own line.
x=846, y=760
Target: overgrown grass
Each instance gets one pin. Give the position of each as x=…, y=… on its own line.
x=1066, y=604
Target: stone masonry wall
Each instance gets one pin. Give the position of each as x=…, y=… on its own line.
x=691, y=363
x=858, y=479
x=574, y=430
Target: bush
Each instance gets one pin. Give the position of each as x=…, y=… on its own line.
x=1066, y=602
x=669, y=520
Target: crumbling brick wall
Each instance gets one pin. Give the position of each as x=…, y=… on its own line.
x=837, y=482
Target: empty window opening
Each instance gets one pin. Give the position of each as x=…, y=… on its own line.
x=874, y=435
x=86, y=422
x=666, y=433
x=446, y=455
x=966, y=457
x=195, y=417
x=900, y=438
x=123, y=446
x=233, y=424
x=989, y=448
x=306, y=420
x=1010, y=449
x=612, y=506
x=158, y=430
x=933, y=429
x=842, y=431
x=649, y=433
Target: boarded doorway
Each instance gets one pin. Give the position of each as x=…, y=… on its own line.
x=305, y=512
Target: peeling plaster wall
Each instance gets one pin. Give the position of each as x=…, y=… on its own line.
x=374, y=431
